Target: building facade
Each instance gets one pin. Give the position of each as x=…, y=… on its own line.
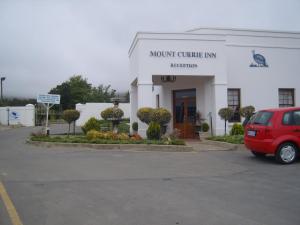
x=206, y=69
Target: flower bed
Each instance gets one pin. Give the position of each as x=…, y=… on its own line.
x=84, y=139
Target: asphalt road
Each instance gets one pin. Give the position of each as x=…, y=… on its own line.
x=64, y=186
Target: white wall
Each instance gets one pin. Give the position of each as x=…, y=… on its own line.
x=89, y=110
x=18, y=115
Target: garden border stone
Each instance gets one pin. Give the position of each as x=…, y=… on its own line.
x=137, y=147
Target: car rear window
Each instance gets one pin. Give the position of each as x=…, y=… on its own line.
x=261, y=118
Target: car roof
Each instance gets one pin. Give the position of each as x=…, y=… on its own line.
x=281, y=109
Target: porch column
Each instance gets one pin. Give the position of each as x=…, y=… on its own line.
x=133, y=105
x=145, y=99
x=220, y=97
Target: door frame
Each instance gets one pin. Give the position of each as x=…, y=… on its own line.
x=174, y=103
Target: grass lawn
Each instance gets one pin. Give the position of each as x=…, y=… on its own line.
x=83, y=139
x=234, y=139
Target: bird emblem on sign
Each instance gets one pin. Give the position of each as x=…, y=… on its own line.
x=260, y=60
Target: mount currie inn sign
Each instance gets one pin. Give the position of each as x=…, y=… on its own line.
x=181, y=55
x=175, y=54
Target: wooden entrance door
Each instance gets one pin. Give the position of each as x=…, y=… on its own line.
x=184, y=102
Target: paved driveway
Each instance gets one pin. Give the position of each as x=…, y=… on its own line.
x=64, y=186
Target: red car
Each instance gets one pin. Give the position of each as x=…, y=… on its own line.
x=274, y=131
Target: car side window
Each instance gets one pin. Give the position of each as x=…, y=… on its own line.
x=296, y=118
x=287, y=118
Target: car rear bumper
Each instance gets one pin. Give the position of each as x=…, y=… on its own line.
x=264, y=146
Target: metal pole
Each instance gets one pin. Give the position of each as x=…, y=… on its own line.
x=211, y=128
x=1, y=91
x=47, y=113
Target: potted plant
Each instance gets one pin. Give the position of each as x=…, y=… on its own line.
x=203, y=130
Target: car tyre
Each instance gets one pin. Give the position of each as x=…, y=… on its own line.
x=286, y=153
x=259, y=154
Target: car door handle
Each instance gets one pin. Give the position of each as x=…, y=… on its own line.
x=297, y=130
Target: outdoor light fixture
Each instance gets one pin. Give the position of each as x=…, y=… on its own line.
x=168, y=79
x=2, y=79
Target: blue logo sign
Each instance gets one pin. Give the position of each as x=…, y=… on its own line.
x=13, y=115
x=259, y=60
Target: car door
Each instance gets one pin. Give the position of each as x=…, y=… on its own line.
x=296, y=125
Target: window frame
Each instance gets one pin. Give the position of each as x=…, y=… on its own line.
x=237, y=116
x=282, y=104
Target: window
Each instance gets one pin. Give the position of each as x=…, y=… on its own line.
x=291, y=118
x=157, y=101
x=296, y=118
x=234, y=102
x=286, y=97
x=261, y=118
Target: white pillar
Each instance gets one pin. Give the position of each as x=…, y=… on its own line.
x=144, y=90
x=220, y=100
x=30, y=115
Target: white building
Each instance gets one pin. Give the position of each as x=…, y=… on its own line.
x=207, y=69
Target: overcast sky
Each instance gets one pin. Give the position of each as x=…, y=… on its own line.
x=44, y=42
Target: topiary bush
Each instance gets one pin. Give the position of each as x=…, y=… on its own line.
x=91, y=124
x=112, y=113
x=237, y=129
x=153, y=131
x=204, y=127
x=71, y=115
x=161, y=116
x=247, y=112
x=144, y=114
x=135, y=126
x=226, y=114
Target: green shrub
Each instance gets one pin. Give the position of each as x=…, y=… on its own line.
x=237, y=129
x=144, y=114
x=205, y=127
x=92, y=135
x=135, y=126
x=123, y=128
x=91, y=124
x=235, y=139
x=153, y=131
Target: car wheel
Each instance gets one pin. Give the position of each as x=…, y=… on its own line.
x=258, y=154
x=286, y=153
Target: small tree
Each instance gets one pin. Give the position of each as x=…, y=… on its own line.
x=247, y=112
x=226, y=114
x=71, y=115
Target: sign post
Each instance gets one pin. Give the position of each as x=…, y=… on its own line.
x=48, y=100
